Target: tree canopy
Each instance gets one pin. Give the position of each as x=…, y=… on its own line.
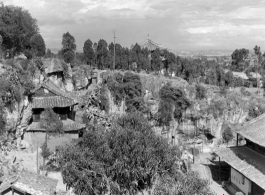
x=89, y=52
x=69, y=47
x=17, y=27
x=128, y=159
x=37, y=45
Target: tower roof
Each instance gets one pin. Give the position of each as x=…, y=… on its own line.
x=151, y=45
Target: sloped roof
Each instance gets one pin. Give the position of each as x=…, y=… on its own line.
x=150, y=45
x=254, y=130
x=240, y=74
x=68, y=125
x=255, y=75
x=246, y=161
x=52, y=65
x=62, y=98
x=30, y=182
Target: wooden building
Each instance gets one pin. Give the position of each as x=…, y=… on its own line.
x=247, y=162
x=27, y=183
x=49, y=95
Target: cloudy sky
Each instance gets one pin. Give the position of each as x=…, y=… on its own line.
x=176, y=24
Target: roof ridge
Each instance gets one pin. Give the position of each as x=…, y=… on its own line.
x=255, y=119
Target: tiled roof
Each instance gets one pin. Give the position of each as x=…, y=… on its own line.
x=240, y=74
x=51, y=102
x=254, y=130
x=52, y=65
x=150, y=45
x=31, y=183
x=62, y=98
x=246, y=161
x=68, y=125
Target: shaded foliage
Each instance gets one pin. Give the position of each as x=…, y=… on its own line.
x=17, y=27
x=127, y=159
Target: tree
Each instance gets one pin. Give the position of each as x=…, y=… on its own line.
x=17, y=27
x=229, y=79
x=200, y=92
x=102, y=54
x=126, y=160
x=173, y=103
x=53, y=127
x=37, y=45
x=89, y=53
x=1, y=41
x=49, y=53
x=238, y=59
x=156, y=62
x=227, y=134
x=2, y=119
x=69, y=47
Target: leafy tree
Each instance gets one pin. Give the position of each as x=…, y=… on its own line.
x=89, y=53
x=229, y=79
x=200, y=92
x=51, y=123
x=53, y=127
x=156, y=62
x=128, y=159
x=1, y=41
x=37, y=45
x=69, y=56
x=102, y=53
x=227, y=134
x=238, y=59
x=69, y=47
x=189, y=183
x=2, y=118
x=49, y=53
x=17, y=27
x=175, y=98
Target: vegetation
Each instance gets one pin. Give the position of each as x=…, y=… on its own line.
x=53, y=127
x=110, y=163
x=16, y=37
x=200, y=92
x=127, y=87
x=227, y=134
x=89, y=53
x=37, y=45
x=173, y=103
x=69, y=47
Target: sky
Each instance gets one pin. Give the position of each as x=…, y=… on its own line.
x=176, y=24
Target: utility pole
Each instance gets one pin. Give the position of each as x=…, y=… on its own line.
x=114, y=53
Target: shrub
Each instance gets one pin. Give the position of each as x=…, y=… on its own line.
x=227, y=134
x=200, y=92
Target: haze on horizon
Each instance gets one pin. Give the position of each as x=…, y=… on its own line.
x=176, y=24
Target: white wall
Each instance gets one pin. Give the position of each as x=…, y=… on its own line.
x=237, y=179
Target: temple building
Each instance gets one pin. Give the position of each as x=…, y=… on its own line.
x=49, y=95
x=247, y=162
x=151, y=45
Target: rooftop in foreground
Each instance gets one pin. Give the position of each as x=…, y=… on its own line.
x=29, y=182
x=246, y=161
x=254, y=130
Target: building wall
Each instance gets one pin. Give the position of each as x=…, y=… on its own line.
x=239, y=180
x=37, y=139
